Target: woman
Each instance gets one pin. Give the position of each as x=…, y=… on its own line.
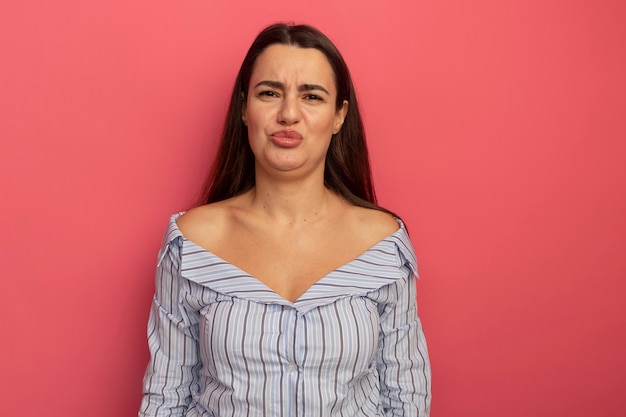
x=287, y=291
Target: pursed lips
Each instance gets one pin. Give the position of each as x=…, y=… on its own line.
x=286, y=138
x=290, y=134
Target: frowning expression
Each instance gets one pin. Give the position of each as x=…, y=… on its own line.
x=291, y=110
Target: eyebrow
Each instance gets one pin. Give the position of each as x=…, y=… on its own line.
x=281, y=86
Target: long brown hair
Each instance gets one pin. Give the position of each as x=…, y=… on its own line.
x=347, y=169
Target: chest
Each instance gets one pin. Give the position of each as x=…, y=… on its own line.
x=243, y=337
x=289, y=265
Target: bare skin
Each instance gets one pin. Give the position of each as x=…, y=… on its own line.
x=287, y=253
x=289, y=231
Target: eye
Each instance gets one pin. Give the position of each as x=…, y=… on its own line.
x=313, y=97
x=268, y=93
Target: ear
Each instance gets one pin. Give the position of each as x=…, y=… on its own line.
x=243, y=109
x=340, y=116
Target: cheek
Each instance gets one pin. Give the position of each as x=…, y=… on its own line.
x=256, y=117
x=322, y=122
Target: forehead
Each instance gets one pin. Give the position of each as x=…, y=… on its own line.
x=291, y=64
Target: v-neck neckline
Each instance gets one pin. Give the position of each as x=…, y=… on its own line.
x=241, y=273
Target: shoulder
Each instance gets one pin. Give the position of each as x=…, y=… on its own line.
x=373, y=225
x=385, y=225
x=201, y=216
x=211, y=220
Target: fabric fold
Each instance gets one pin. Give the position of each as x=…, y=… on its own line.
x=375, y=268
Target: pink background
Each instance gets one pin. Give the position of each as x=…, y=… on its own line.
x=497, y=130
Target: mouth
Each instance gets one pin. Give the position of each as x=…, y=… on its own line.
x=286, y=138
x=289, y=134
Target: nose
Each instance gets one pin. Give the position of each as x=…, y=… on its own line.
x=289, y=112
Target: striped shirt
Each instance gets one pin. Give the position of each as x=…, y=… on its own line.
x=223, y=344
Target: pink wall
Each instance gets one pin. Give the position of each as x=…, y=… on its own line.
x=497, y=130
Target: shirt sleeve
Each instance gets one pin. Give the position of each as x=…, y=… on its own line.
x=171, y=376
x=402, y=356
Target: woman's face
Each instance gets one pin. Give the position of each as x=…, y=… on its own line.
x=290, y=110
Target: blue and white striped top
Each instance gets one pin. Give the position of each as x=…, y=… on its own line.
x=223, y=344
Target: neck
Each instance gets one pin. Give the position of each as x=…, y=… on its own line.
x=292, y=202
